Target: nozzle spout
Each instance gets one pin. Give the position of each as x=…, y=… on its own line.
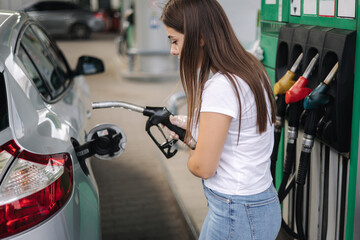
x=297, y=63
x=311, y=66
x=118, y=104
x=331, y=74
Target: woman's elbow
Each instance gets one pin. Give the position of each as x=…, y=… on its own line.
x=207, y=175
x=201, y=172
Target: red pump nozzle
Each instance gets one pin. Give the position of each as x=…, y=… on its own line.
x=299, y=91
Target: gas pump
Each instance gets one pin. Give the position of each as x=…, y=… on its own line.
x=326, y=204
x=307, y=195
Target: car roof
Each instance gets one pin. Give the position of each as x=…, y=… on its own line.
x=28, y=7
x=10, y=25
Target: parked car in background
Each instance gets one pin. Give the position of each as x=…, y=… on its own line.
x=47, y=190
x=65, y=19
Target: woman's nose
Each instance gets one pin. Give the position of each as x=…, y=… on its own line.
x=174, y=51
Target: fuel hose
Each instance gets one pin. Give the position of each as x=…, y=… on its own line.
x=308, y=142
x=280, y=88
x=295, y=110
x=280, y=115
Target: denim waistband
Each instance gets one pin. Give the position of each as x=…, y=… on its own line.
x=268, y=193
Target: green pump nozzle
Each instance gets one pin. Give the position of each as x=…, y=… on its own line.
x=318, y=96
x=331, y=75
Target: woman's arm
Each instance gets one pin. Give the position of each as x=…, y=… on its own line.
x=213, y=129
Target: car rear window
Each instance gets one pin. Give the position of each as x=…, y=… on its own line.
x=4, y=119
x=33, y=74
x=43, y=63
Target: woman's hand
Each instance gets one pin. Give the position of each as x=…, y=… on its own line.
x=179, y=121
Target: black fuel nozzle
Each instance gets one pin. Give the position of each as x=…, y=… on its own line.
x=160, y=115
x=157, y=116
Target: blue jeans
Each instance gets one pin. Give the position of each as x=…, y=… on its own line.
x=237, y=217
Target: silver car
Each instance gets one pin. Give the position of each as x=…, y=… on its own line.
x=47, y=190
x=65, y=19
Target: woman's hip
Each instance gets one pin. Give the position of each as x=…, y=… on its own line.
x=255, y=216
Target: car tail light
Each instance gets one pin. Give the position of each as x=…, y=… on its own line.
x=99, y=15
x=35, y=187
x=7, y=151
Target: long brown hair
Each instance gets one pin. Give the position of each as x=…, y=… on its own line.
x=222, y=52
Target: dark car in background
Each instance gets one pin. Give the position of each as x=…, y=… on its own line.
x=65, y=19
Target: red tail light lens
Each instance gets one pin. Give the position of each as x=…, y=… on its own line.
x=99, y=15
x=35, y=187
x=7, y=152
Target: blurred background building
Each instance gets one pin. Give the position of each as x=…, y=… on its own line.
x=243, y=14
x=141, y=36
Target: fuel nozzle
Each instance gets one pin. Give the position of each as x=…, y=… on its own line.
x=285, y=83
x=318, y=96
x=157, y=116
x=299, y=91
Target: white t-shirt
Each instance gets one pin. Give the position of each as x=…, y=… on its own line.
x=244, y=166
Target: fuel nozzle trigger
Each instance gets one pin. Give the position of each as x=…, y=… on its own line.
x=157, y=116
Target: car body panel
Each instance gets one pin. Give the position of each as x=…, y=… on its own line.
x=47, y=127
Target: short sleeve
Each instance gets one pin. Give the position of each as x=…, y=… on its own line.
x=219, y=96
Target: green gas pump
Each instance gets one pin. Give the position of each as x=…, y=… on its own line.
x=330, y=28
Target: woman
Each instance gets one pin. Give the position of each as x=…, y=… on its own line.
x=233, y=114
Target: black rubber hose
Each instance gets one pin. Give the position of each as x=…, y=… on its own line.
x=288, y=230
x=309, y=129
x=288, y=168
x=281, y=105
x=325, y=204
x=274, y=155
x=299, y=212
x=287, y=189
x=280, y=114
x=300, y=180
x=295, y=110
x=311, y=122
